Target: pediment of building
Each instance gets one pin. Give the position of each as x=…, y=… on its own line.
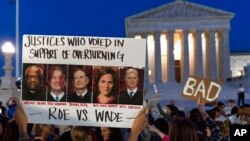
x=181, y=9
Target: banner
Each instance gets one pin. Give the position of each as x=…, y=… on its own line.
x=78, y=80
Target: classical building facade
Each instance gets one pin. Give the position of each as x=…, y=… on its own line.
x=237, y=62
x=183, y=39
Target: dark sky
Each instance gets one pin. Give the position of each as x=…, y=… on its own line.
x=103, y=18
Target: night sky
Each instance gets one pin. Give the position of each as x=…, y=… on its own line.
x=103, y=18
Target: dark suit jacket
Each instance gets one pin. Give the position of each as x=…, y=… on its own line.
x=137, y=98
x=50, y=98
x=73, y=97
x=37, y=96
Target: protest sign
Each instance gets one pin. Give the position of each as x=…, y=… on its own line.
x=200, y=88
x=55, y=68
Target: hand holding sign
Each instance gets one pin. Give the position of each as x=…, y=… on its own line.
x=200, y=106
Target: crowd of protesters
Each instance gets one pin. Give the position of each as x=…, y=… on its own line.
x=172, y=125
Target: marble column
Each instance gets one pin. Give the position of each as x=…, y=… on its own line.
x=207, y=57
x=213, y=60
x=226, y=51
x=164, y=47
x=198, y=59
x=146, y=76
x=158, y=66
x=220, y=56
x=170, y=57
x=185, y=72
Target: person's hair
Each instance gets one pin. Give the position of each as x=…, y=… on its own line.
x=198, y=123
x=53, y=69
x=37, y=130
x=230, y=101
x=181, y=114
x=39, y=73
x=39, y=70
x=51, y=72
x=181, y=129
x=216, y=109
x=79, y=133
x=78, y=69
x=11, y=132
x=131, y=70
x=174, y=110
x=220, y=104
x=224, y=127
x=211, y=113
x=102, y=72
x=195, y=115
x=162, y=125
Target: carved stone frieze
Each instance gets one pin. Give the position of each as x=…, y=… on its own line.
x=181, y=9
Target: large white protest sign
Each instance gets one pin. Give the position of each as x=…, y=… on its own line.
x=55, y=68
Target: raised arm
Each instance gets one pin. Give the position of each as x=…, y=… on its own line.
x=138, y=125
x=21, y=120
x=214, y=128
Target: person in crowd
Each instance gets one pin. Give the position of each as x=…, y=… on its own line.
x=33, y=84
x=199, y=124
x=80, y=133
x=132, y=95
x=80, y=83
x=20, y=128
x=105, y=91
x=42, y=132
x=215, y=134
x=232, y=105
x=66, y=134
x=241, y=95
x=11, y=133
x=111, y=134
x=158, y=132
x=161, y=125
x=140, y=123
x=180, y=129
x=219, y=114
x=181, y=114
x=221, y=106
x=168, y=113
x=56, y=82
x=225, y=129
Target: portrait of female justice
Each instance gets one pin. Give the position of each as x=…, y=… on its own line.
x=105, y=86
